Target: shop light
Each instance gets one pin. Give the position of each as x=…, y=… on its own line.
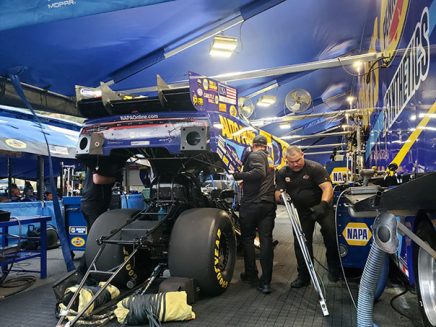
x=285, y=126
x=266, y=100
x=412, y=117
x=357, y=66
x=223, y=46
x=422, y=115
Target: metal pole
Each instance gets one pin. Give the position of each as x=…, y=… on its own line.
x=40, y=178
x=311, y=136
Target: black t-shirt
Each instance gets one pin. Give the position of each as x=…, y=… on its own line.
x=258, y=178
x=303, y=186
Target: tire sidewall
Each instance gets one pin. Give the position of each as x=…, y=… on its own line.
x=197, y=238
x=426, y=232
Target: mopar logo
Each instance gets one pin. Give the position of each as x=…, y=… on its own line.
x=59, y=4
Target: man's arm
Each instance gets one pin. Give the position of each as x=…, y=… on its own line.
x=256, y=164
x=327, y=192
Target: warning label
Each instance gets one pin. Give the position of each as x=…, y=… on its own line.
x=357, y=234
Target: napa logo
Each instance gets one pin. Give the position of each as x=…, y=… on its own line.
x=392, y=20
x=357, y=234
x=78, y=241
x=339, y=175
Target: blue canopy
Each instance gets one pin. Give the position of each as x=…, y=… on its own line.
x=22, y=142
x=130, y=45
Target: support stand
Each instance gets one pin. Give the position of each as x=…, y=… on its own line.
x=295, y=221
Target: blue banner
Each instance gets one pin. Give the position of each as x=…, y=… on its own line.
x=16, y=13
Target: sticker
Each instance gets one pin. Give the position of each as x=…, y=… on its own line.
x=339, y=175
x=17, y=144
x=200, y=92
x=287, y=179
x=78, y=241
x=233, y=111
x=357, y=234
x=78, y=230
x=205, y=84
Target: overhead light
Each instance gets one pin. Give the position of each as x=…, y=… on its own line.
x=412, y=117
x=223, y=46
x=350, y=99
x=266, y=100
x=357, y=66
x=285, y=126
x=422, y=115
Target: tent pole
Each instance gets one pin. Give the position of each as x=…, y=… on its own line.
x=40, y=178
x=9, y=177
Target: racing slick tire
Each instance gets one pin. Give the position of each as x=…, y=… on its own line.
x=425, y=274
x=113, y=254
x=203, y=247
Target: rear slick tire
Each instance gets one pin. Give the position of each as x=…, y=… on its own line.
x=203, y=247
x=425, y=274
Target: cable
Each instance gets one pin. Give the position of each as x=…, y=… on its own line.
x=339, y=253
x=397, y=310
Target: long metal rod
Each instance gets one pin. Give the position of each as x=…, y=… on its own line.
x=311, y=136
x=296, y=226
x=322, y=152
x=269, y=72
x=322, y=145
x=416, y=239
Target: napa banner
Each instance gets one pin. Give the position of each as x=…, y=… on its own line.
x=16, y=13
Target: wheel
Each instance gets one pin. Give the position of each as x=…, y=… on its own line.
x=425, y=274
x=113, y=254
x=203, y=247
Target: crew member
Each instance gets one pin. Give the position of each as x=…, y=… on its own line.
x=257, y=210
x=97, y=190
x=311, y=191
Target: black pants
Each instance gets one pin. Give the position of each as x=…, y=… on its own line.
x=91, y=211
x=328, y=231
x=260, y=216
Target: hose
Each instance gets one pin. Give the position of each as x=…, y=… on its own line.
x=368, y=284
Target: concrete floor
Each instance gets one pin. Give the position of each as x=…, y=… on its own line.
x=240, y=305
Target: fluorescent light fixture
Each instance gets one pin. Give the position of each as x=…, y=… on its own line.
x=412, y=117
x=220, y=53
x=266, y=100
x=422, y=115
x=350, y=99
x=223, y=46
x=285, y=126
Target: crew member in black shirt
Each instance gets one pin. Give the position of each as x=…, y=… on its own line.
x=311, y=191
x=257, y=210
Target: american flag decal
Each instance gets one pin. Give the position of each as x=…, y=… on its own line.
x=227, y=94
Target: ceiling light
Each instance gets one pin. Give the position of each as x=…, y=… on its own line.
x=285, y=126
x=266, y=100
x=223, y=46
x=350, y=99
x=357, y=66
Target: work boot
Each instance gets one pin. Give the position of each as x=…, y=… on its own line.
x=300, y=282
x=264, y=288
x=251, y=279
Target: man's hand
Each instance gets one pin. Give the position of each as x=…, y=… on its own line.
x=320, y=210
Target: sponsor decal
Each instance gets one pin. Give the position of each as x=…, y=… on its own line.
x=138, y=117
x=59, y=4
x=78, y=230
x=412, y=70
x=216, y=262
x=357, y=234
x=78, y=241
x=339, y=175
x=17, y=144
x=392, y=20
x=238, y=133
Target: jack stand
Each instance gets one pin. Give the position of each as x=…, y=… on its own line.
x=295, y=221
